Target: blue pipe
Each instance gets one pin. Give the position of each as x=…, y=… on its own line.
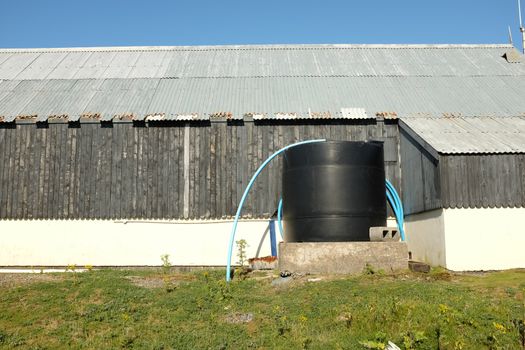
x=397, y=207
x=280, y=217
x=245, y=194
x=273, y=240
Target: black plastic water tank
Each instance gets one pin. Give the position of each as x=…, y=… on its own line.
x=333, y=191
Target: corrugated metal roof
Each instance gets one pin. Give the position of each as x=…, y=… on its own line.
x=470, y=134
x=258, y=61
x=269, y=82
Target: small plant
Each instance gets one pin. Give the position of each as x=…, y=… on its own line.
x=89, y=268
x=241, y=251
x=71, y=267
x=166, y=263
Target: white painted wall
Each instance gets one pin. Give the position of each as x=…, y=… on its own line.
x=468, y=239
x=108, y=243
x=485, y=238
x=425, y=236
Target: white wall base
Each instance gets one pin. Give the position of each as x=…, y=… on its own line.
x=468, y=239
x=132, y=243
x=485, y=238
x=425, y=236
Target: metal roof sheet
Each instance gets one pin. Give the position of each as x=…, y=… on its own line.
x=470, y=134
x=259, y=61
x=269, y=82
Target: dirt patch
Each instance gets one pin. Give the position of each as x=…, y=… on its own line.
x=159, y=281
x=11, y=280
x=236, y=318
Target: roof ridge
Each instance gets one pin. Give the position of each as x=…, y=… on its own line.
x=256, y=47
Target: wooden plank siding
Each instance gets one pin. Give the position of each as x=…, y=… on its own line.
x=421, y=185
x=127, y=171
x=459, y=180
x=483, y=180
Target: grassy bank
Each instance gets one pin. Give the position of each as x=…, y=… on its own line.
x=168, y=310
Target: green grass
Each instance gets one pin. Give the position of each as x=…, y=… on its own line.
x=105, y=310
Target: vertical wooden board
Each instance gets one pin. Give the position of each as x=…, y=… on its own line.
x=17, y=188
x=259, y=193
x=230, y=172
x=246, y=161
x=443, y=175
x=159, y=180
x=4, y=156
x=90, y=179
x=157, y=185
x=14, y=174
x=106, y=173
x=206, y=174
x=189, y=178
x=53, y=174
x=431, y=180
x=165, y=173
x=127, y=171
x=498, y=176
x=196, y=169
x=271, y=191
x=25, y=169
x=520, y=158
x=68, y=174
x=49, y=171
x=134, y=175
x=172, y=175
x=472, y=182
x=98, y=164
x=43, y=133
x=152, y=167
x=66, y=187
x=213, y=171
x=33, y=173
x=81, y=177
x=141, y=172
x=62, y=152
x=239, y=162
x=8, y=172
x=461, y=194
x=182, y=176
x=508, y=187
x=78, y=176
x=452, y=175
x=223, y=174
x=203, y=157
x=114, y=172
x=516, y=186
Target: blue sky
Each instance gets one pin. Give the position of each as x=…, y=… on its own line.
x=72, y=23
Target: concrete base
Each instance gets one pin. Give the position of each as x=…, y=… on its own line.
x=342, y=257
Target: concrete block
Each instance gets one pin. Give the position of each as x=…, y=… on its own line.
x=342, y=257
x=384, y=234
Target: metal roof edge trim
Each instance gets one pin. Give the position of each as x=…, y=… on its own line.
x=255, y=47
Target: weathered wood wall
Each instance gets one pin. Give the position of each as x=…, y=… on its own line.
x=421, y=185
x=127, y=171
x=481, y=181
x=459, y=180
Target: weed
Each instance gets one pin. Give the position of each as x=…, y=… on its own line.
x=241, y=251
x=412, y=340
x=370, y=270
x=166, y=263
